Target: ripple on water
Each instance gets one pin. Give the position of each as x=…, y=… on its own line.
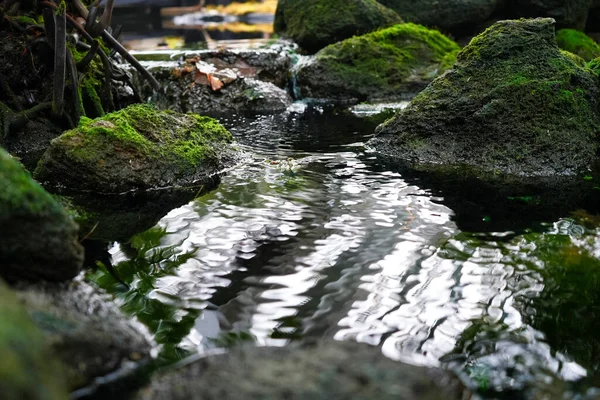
x=312, y=239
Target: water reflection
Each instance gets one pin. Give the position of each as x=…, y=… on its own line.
x=314, y=238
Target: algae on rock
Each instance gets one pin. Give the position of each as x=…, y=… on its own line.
x=38, y=240
x=513, y=104
x=391, y=63
x=138, y=147
x=314, y=24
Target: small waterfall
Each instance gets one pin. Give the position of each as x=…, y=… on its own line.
x=298, y=61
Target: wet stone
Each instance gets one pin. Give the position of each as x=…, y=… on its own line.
x=86, y=331
x=330, y=370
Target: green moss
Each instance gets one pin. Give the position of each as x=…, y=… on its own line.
x=578, y=43
x=19, y=194
x=27, y=369
x=383, y=61
x=143, y=130
x=594, y=66
x=513, y=103
x=575, y=58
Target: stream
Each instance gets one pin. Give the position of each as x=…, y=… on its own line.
x=315, y=237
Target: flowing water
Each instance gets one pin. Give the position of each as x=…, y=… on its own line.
x=315, y=237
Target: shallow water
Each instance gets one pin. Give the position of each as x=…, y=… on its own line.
x=315, y=237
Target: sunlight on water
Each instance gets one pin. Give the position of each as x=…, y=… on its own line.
x=313, y=238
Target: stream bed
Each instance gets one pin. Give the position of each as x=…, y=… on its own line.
x=315, y=237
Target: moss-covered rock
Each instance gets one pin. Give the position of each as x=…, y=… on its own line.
x=513, y=104
x=314, y=24
x=27, y=368
x=455, y=16
x=138, y=147
x=578, y=43
x=391, y=63
x=38, y=240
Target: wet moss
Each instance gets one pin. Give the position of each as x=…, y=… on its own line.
x=138, y=146
x=19, y=194
x=314, y=24
x=147, y=131
x=578, y=43
x=514, y=103
x=386, y=63
x=37, y=239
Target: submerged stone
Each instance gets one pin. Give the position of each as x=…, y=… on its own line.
x=392, y=63
x=38, y=240
x=138, y=147
x=330, y=370
x=578, y=43
x=314, y=24
x=28, y=370
x=513, y=104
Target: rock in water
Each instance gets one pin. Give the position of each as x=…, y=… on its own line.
x=455, y=16
x=88, y=333
x=28, y=370
x=138, y=147
x=513, y=104
x=314, y=24
x=330, y=370
x=38, y=240
x=392, y=63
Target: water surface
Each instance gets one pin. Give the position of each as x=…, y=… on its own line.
x=315, y=237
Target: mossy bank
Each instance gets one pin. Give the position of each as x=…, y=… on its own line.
x=513, y=104
x=138, y=147
x=392, y=63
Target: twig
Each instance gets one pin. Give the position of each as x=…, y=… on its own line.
x=60, y=55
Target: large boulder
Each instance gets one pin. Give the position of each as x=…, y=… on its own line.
x=138, y=147
x=454, y=16
x=28, y=370
x=513, y=104
x=567, y=13
x=329, y=370
x=38, y=240
x=314, y=24
x=392, y=63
